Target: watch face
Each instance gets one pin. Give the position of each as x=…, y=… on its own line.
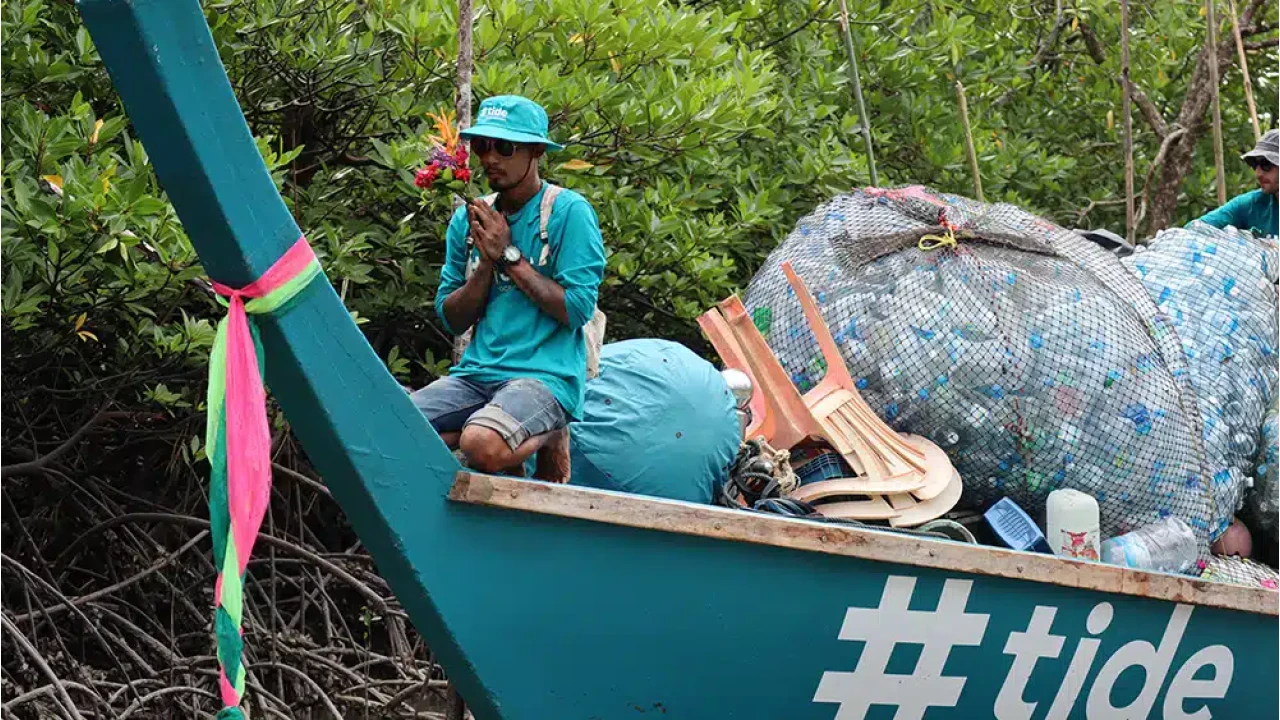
x=511, y=254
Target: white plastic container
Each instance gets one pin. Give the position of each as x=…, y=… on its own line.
x=1072, y=523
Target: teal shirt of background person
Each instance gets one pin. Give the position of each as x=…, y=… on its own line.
x=514, y=337
x=1254, y=211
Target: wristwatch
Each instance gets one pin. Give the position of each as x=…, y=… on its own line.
x=511, y=256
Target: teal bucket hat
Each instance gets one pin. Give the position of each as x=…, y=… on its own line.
x=514, y=118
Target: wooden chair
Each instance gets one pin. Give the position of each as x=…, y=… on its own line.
x=763, y=423
x=904, y=479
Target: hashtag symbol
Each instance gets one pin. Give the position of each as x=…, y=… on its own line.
x=882, y=628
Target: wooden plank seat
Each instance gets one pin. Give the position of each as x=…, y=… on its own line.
x=904, y=479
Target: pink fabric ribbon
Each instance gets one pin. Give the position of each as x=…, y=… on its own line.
x=248, y=437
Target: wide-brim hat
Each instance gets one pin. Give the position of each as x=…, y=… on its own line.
x=514, y=118
x=1268, y=148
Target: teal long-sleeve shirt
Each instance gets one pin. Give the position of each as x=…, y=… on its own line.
x=1255, y=212
x=515, y=338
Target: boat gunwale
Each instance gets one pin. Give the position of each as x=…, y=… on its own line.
x=709, y=521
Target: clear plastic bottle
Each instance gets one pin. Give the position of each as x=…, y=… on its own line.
x=1166, y=546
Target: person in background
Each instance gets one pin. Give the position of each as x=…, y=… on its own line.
x=1255, y=211
x=524, y=270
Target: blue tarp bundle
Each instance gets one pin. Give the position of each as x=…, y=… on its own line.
x=657, y=421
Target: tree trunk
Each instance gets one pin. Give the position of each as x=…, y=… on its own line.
x=462, y=107
x=1177, y=165
x=463, y=98
x=1192, y=117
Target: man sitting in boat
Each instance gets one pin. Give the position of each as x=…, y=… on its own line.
x=1255, y=211
x=523, y=268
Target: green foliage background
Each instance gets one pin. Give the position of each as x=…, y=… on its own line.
x=709, y=126
x=701, y=130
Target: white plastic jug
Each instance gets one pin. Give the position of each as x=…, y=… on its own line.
x=1072, y=523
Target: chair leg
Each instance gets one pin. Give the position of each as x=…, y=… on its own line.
x=837, y=371
x=721, y=336
x=792, y=420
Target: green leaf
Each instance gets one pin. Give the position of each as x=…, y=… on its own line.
x=21, y=195
x=148, y=206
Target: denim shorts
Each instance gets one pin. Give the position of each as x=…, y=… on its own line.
x=517, y=409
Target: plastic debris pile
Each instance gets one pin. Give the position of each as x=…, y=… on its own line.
x=1026, y=352
x=1238, y=571
x=1264, y=498
x=1218, y=289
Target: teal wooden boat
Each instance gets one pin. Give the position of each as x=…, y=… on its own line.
x=561, y=602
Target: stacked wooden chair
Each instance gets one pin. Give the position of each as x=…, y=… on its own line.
x=903, y=479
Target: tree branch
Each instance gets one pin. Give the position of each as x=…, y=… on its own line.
x=1050, y=41
x=1092, y=44
x=1146, y=106
x=1148, y=109
x=78, y=601
x=1083, y=212
x=1174, y=135
x=324, y=697
x=790, y=33
x=1195, y=106
x=378, y=602
x=294, y=474
x=38, y=465
x=1247, y=26
x=59, y=689
x=92, y=626
x=137, y=704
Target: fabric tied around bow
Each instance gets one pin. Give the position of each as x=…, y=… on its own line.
x=238, y=446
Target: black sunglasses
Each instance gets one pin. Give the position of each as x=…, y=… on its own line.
x=482, y=145
x=1263, y=165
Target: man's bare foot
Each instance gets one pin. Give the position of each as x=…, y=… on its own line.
x=553, y=459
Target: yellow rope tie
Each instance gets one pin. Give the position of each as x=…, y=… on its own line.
x=929, y=243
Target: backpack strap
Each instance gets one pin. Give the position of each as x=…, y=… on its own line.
x=594, y=329
x=544, y=221
x=544, y=210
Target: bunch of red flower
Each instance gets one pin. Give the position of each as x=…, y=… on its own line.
x=446, y=167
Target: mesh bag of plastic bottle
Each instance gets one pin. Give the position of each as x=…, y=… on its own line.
x=1237, y=571
x=1218, y=288
x=1264, y=498
x=1032, y=356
